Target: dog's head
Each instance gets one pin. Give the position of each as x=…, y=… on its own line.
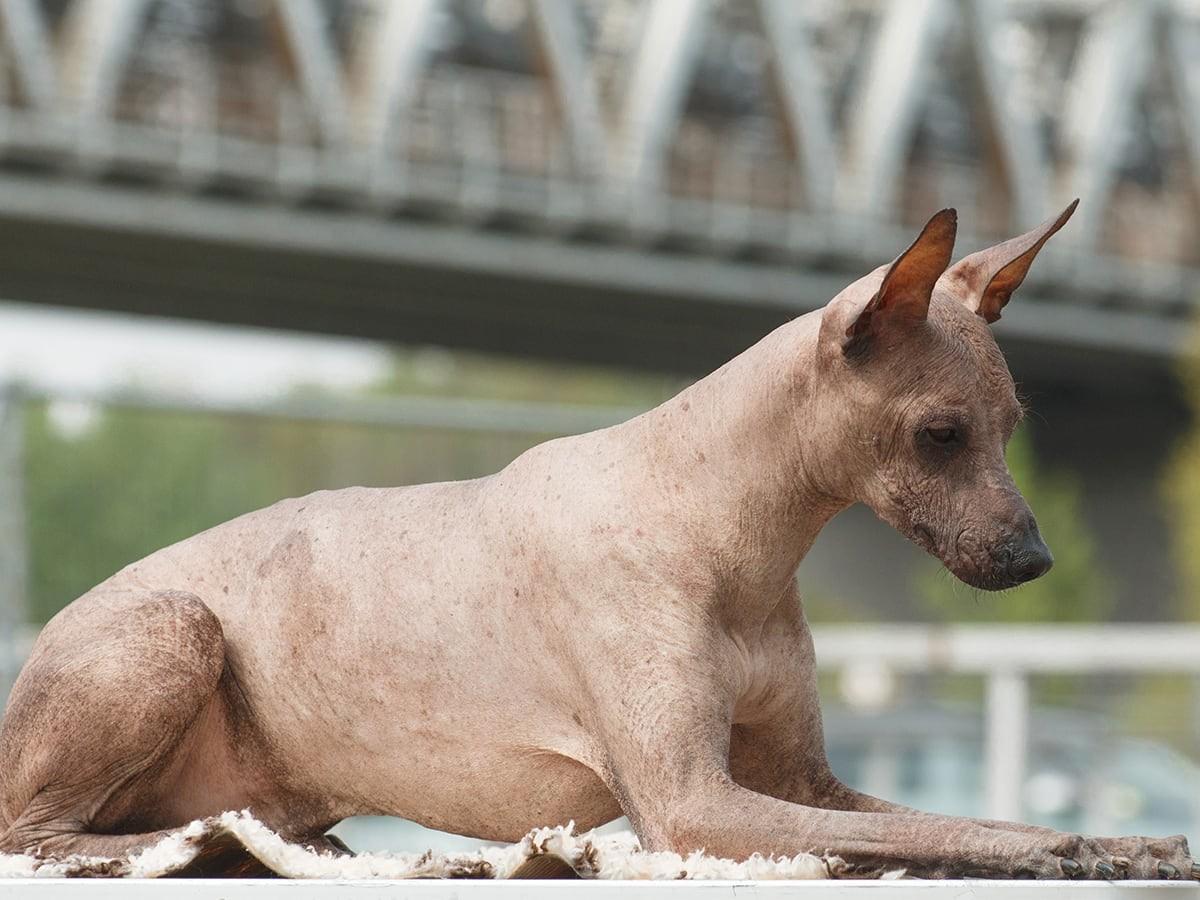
x=923, y=404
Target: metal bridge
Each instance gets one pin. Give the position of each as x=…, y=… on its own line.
x=649, y=182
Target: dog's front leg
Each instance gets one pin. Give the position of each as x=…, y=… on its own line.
x=675, y=786
x=1132, y=857
x=663, y=713
x=777, y=748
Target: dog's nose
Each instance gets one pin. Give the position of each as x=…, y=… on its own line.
x=1030, y=557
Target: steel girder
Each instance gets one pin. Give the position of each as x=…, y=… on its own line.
x=359, y=90
x=850, y=132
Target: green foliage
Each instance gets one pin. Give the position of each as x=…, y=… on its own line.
x=437, y=372
x=1075, y=590
x=132, y=484
x=1181, y=489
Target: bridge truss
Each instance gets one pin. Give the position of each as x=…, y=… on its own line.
x=648, y=181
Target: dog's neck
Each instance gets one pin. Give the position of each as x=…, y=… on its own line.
x=746, y=460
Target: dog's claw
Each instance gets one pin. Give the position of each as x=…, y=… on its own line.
x=1166, y=870
x=1105, y=870
x=1070, y=868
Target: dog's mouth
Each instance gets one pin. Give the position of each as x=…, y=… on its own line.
x=990, y=578
x=985, y=581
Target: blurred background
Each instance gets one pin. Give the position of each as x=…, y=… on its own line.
x=251, y=249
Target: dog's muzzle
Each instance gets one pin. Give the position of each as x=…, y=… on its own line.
x=1023, y=557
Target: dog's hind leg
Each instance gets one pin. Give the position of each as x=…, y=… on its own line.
x=97, y=718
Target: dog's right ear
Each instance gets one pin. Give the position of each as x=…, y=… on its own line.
x=902, y=299
x=985, y=280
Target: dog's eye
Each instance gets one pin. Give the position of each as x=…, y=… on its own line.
x=943, y=436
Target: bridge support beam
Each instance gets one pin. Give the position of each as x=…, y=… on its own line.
x=578, y=106
x=657, y=87
x=886, y=109
x=807, y=115
x=386, y=65
x=1110, y=71
x=27, y=41
x=317, y=66
x=98, y=36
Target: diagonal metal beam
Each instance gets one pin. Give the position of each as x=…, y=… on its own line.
x=25, y=27
x=97, y=39
x=1183, y=49
x=306, y=30
x=665, y=62
x=558, y=31
x=804, y=108
x=387, y=63
x=887, y=107
x=1110, y=70
x=1013, y=129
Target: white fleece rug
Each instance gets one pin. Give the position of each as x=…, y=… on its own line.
x=235, y=843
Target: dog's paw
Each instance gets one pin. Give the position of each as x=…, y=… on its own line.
x=1152, y=858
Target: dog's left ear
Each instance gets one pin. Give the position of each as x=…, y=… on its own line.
x=985, y=280
x=903, y=295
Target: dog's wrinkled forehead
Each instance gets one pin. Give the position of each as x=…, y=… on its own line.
x=916, y=330
x=975, y=366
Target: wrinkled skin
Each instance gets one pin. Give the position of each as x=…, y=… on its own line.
x=956, y=502
x=610, y=624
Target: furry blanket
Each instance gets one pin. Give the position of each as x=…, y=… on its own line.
x=236, y=844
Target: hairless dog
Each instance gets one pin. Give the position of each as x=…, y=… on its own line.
x=608, y=625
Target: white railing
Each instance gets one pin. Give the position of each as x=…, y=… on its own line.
x=1006, y=656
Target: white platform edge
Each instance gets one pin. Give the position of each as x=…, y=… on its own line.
x=267, y=889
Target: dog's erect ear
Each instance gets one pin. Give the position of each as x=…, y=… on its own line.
x=985, y=280
x=903, y=296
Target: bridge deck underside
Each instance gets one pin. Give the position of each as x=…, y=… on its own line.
x=132, y=249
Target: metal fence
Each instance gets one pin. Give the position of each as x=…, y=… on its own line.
x=1007, y=657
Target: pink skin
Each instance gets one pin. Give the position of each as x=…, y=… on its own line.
x=610, y=624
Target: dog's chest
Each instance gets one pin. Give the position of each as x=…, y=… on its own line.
x=776, y=669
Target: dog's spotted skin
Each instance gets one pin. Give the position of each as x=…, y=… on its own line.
x=608, y=624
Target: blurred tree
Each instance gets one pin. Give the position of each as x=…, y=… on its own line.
x=1075, y=590
x=1181, y=489
x=435, y=371
x=131, y=482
